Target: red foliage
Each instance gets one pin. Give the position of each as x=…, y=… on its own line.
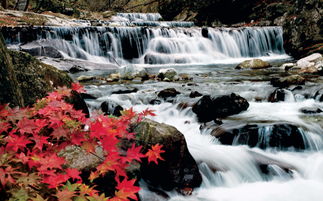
x=32, y=138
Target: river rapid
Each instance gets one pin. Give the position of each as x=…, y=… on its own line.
x=209, y=56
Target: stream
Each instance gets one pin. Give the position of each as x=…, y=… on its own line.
x=209, y=56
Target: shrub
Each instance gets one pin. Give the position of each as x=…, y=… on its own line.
x=31, y=138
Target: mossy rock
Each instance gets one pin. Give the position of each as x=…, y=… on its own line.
x=254, y=64
x=36, y=79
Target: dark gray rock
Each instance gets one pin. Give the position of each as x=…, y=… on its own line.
x=311, y=110
x=195, y=94
x=124, y=90
x=111, y=108
x=178, y=170
x=277, y=95
x=287, y=81
x=77, y=69
x=208, y=109
x=78, y=103
x=280, y=136
x=167, y=93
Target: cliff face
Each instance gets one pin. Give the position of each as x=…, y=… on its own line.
x=301, y=19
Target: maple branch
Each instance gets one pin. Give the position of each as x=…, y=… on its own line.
x=94, y=154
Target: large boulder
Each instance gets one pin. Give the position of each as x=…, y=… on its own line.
x=178, y=169
x=9, y=88
x=280, y=136
x=288, y=81
x=254, y=64
x=208, y=108
x=24, y=79
x=36, y=79
x=309, y=60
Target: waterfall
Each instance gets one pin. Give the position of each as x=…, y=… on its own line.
x=156, y=45
x=140, y=16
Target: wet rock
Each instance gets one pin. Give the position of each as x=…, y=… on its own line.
x=185, y=77
x=287, y=66
x=111, y=108
x=195, y=94
x=85, y=78
x=125, y=90
x=142, y=74
x=115, y=77
x=78, y=103
x=205, y=32
x=179, y=169
x=167, y=93
x=155, y=102
x=309, y=60
x=192, y=84
x=208, y=109
x=168, y=73
x=319, y=95
x=36, y=49
x=280, y=136
x=88, y=96
x=288, y=81
x=253, y=64
x=309, y=70
x=311, y=110
x=183, y=105
x=277, y=95
x=77, y=69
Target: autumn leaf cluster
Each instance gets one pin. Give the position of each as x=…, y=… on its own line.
x=32, y=138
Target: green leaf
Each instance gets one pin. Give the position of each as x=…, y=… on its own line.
x=19, y=195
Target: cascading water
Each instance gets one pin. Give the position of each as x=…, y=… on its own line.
x=149, y=45
x=235, y=172
x=239, y=172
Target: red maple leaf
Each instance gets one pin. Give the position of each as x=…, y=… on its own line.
x=77, y=138
x=16, y=142
x=77, y=87
x=109, y=144
x=133, y=153
x=4, y=126
x=26, y=125
x=56, y=180
x=4, y=111
x=154, y=153
x=73, y=173
x=60, y=132
x=126, y=189
x=50, y=162
x=40, y=141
